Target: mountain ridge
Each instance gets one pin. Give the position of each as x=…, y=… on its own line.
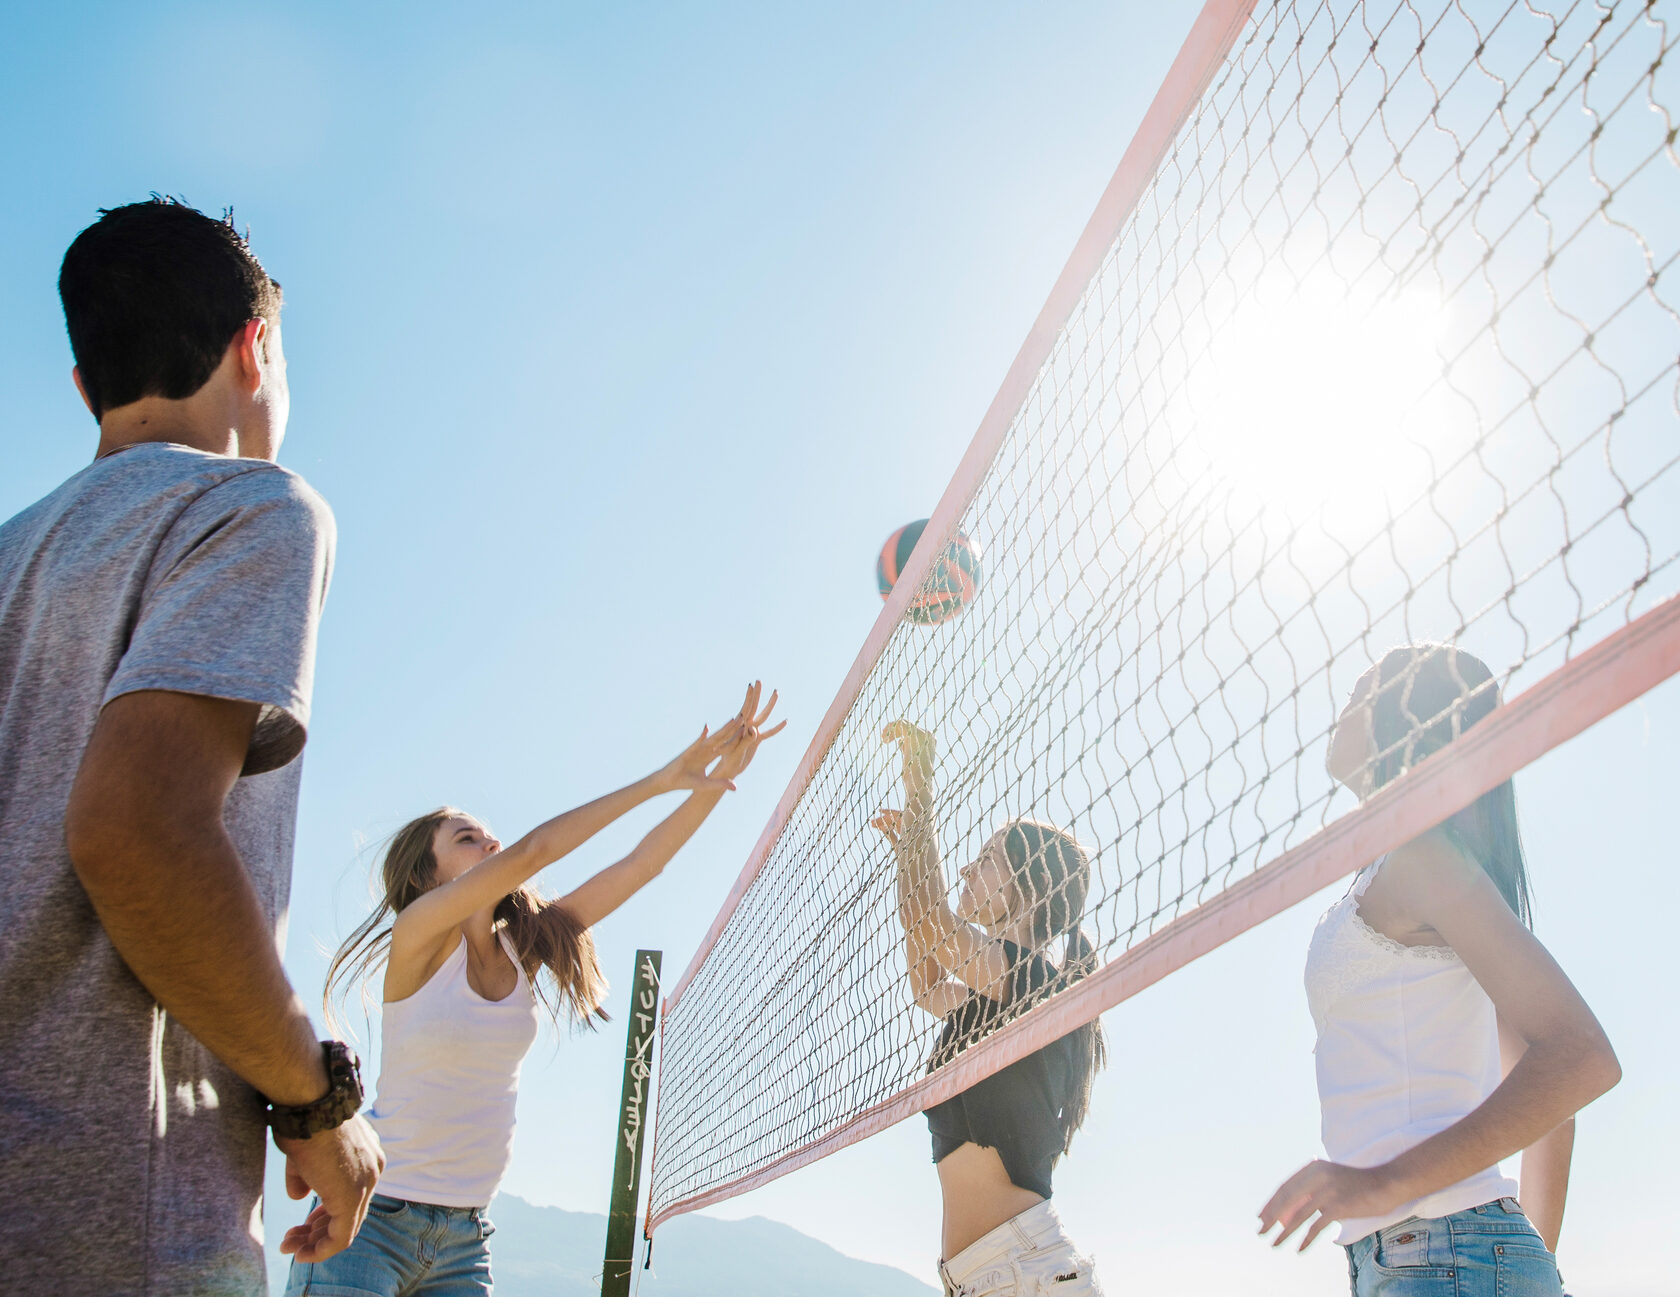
x=550, y=1252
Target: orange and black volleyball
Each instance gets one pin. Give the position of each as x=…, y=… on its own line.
x=953, y=581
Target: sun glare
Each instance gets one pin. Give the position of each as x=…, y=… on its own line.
x=1311, y=400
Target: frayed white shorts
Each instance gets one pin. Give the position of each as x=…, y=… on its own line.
x=1027, y=1256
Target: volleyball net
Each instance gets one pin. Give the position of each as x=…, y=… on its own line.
x=1372, y=341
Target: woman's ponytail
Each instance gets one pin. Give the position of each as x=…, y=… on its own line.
x=1053, y=873
x=1080, y=959
x=1090, y=1050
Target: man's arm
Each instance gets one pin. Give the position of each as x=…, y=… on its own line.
x=146, y=836
x=147, y=839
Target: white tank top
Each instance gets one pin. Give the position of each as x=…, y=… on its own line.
x=448, y=1079
x=1407, y=1045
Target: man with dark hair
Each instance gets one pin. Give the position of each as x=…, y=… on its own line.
x=157, y=645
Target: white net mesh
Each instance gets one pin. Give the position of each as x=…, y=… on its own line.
x=1387, y=352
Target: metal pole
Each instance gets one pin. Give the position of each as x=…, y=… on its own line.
x=632, y=1107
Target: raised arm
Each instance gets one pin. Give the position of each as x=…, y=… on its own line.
x=1566, y=1064
x=594, y=899
x=423, y=925
x=933, y=932
x=930, y=987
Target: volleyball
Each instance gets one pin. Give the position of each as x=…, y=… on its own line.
x=950, y=586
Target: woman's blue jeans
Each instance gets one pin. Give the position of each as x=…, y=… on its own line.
x=407, y=1248
x=1486, y=1251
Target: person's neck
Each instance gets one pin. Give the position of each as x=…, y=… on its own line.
x=1017, y=933
x=480, y=931
x=198, y=424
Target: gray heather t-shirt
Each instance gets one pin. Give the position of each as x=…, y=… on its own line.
x=131, y=1160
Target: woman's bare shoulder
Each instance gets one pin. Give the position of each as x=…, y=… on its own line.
x=1431, y=859
x=408, y=969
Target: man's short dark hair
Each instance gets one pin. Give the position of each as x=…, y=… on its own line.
x=153, y=293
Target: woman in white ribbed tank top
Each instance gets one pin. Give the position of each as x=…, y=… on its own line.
x=469, y=950
x=1448, y=1039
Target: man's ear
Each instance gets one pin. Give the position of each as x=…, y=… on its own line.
x=76, y=378
x=247, y=348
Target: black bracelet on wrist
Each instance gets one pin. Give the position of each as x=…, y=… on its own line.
x=340, y=1103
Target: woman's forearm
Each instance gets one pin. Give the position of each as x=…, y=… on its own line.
x=1545, y=1180
x=672, y=833
x=922, y=904
x=1547, y=1086
x=563, y=834
x=486, y=883
x=597, y=897
x=918, y=913
x=924, y=973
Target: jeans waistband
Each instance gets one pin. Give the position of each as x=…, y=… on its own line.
x=1037, y=1226
x=464, y=1213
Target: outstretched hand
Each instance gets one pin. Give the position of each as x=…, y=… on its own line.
x=890, y=822
x=692, y=769
x=748, y=725
x=711, y=762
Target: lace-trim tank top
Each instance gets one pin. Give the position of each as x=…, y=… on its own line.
x=1407, y=1045
x=448, y=1081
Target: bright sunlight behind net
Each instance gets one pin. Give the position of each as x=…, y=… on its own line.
x=1383, y=352
x=1313, y=397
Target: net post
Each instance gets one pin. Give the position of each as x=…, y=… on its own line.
x=619, y=1261
x=649, y=1222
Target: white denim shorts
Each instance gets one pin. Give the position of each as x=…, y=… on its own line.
x=1027, y=1256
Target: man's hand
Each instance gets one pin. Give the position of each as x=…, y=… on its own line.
x=341, y=1166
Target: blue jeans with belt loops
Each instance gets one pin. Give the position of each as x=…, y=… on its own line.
x=1486, y=1251
x=405, y=1249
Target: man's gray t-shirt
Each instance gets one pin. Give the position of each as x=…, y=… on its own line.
x=131, y=1160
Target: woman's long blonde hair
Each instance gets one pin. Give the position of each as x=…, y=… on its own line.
x=543, y=933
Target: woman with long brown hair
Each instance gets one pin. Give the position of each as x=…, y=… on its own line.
x=975, y=966
x=469, y=950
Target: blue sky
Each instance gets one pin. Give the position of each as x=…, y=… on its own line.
x=619, y=339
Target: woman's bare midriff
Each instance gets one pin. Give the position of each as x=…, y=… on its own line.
x=979, y=1196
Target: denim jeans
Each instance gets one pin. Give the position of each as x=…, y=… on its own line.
x=405, y=1249
x=1027, y=1256
x=1486, y=1251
